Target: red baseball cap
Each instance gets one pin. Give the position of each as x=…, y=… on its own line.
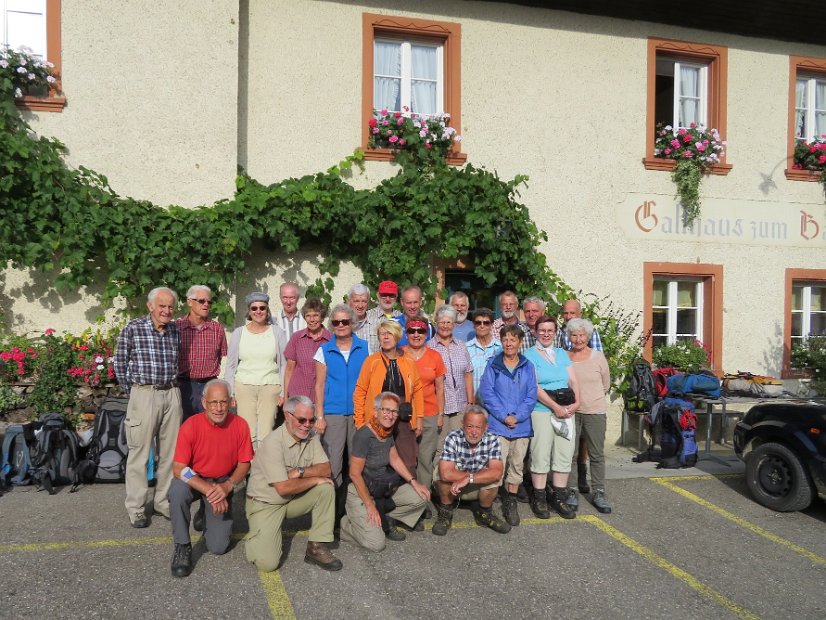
x=388, y=287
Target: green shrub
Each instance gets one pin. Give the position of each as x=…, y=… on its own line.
x=684, y=355
x=811, y=355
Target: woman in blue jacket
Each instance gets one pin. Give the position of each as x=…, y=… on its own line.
x=508, y=392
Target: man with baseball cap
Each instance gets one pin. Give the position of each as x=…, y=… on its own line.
x=386, y=295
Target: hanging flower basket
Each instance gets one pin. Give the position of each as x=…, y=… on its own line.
x=812, y=156
x=695, y=150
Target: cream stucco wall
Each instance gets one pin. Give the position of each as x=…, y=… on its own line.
x=558, y=96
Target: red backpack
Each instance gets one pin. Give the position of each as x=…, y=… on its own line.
x=660, y=380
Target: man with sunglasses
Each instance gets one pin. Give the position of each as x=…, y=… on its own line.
x=483, y=347
x=290, y=477
x=203, y=344
x=386, y=295
x=212, y=457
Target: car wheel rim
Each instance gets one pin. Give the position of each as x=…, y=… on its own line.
x=775, y=476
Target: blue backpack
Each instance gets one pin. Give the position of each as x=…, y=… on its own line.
x=679, y=428
x=703, y=383
x=17, y=458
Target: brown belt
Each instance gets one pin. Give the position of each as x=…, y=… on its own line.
x=163, y=386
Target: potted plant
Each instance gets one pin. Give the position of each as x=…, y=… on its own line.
x=695, y=150
x=417, y=136
x=811, y=156
x=684, y=355
x=24, y=73
x=811, y=355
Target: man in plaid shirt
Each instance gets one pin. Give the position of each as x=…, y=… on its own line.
x=146, y=366
x=203, y=344
x=470, y=468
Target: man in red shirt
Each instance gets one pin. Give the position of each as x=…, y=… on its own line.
x=203, y=344
x=212, y=457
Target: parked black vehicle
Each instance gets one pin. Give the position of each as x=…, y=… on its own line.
x=784, y=448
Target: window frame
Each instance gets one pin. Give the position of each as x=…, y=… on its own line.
x=810, y=66
x=449, y=35
x=715, y=58
x=672, y=336
x=793, y=276
x=54, y=53
x=711, y=277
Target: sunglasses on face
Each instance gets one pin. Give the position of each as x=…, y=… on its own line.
x=417, y=330
x=340, y=322
x=203, y=302
x=258, y=308
x=482, y=322
x=303, y=421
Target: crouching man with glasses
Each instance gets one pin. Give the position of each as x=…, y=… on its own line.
x=290, y=477
x=212, y=456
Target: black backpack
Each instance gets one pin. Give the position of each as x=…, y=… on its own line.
x=55, y=455
x=642, y=391
x=106, y=457
x=16, y=465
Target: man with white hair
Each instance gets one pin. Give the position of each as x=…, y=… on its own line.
x=509, y=310
x=203, y=344
x=146, y=366
x=358, y=299
x=532, y=308
x=572, y=309
x=463, y=329
x=289, y=319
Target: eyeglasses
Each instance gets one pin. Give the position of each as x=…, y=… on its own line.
x=389, y=410
x=340, y=322
x=303, y=421
x=203, y=302
x=393, y=295
x=417, y=330
x=545, y=332
x=482, y=322
x=445, y=323
x=217, y=403
x=258, y=308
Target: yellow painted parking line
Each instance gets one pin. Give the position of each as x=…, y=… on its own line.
x=702, y=477
x=673, y=570
x=666, y=482
x=277, y=598
x=90, y=544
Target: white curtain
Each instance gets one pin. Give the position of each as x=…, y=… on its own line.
x=423, y=80
x=387, y=68
x=800, y=109
x=820, y=109
x=689, y=96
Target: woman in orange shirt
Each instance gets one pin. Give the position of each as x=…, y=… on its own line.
x=390, y=370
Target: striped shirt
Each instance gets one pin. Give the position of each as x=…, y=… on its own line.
x=145, y=356
x=528, y=340
x=563, y=342
x=290, y=325
x=367, y=329
x=468, y=458
x=479, y=357
x=458, y=364
x=202, y=347
x=301, y=350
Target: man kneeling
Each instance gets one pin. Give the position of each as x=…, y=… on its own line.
x=290, y=477
x=382, y=490
x=212, y=456
x=470, y=467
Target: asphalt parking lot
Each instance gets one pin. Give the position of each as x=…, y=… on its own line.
x=691, y=545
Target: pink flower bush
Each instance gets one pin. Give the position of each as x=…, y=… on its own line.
x=411, y=132
x=694, y=142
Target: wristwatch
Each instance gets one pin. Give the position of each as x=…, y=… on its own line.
x=470, y=479
x=300, y=472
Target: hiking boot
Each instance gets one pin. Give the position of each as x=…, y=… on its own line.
x=522, y=494
x=510, y=510
x=444, y=518
x=558, y=503
x=539, y=504
x=582, y=478
x=182, y=561
x=419, y=527
x=572, y=498
x=486, y=518
x=198, y=519
x=317, y=553
x=392, y=532
x=427, y=514
x=140, y=521
x=600, y=502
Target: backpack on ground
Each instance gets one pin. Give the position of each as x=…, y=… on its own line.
x=106, y=458
x=16, y=465
x=672, y=425
x=56, y=454
x=642, y=392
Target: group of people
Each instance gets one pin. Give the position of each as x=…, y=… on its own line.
x=465, y=408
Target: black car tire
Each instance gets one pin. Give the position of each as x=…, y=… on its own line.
x=777, y=479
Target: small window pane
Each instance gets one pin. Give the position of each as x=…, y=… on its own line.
x=387, y=59
x=797, y=298
x=659, y=321
x=660, y=293
x=818, y=324
x=686, y=295
x=797, y=324
x=658, y=341
x=818, y=298
x=686, y=321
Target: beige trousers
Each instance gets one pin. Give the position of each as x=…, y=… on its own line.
x=257, y=404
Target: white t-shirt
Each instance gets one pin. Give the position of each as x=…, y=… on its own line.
x=319, y=356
